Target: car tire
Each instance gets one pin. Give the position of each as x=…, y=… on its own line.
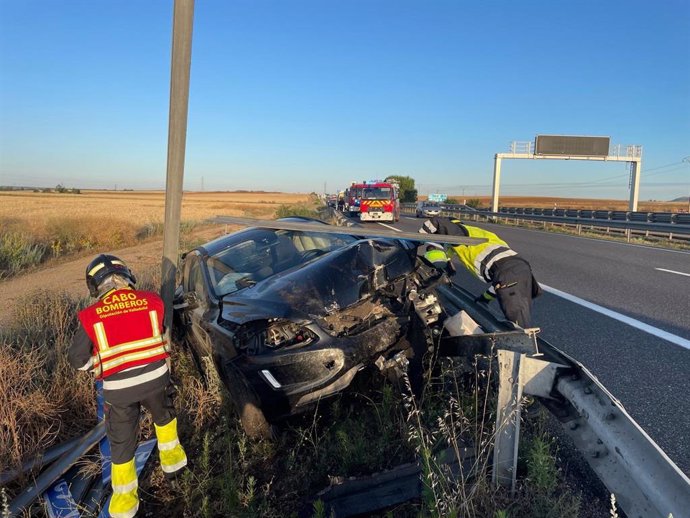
x=247, y=406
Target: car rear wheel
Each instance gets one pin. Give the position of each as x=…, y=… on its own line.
x=247, y=405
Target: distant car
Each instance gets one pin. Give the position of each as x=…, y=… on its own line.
x=427, y=209
x=287, y=318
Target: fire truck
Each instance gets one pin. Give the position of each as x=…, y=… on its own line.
x=353, y=196
x=379, y=201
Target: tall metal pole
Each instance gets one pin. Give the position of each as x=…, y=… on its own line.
x=635, y=187
x=687, y=160
x=183, y=17
x=497, y=183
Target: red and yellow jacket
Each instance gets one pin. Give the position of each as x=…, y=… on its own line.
x=126, y=329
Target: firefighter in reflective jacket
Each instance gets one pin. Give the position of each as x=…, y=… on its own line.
x=493, y=261
x=121, y=341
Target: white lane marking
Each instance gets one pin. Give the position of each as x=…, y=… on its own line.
x=672, y=271
x=621, y=318
x=388, y=226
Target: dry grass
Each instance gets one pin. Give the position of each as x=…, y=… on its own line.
x=38, y=388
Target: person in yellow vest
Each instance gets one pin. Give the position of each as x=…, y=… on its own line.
x=509, y=275
x=121, y=341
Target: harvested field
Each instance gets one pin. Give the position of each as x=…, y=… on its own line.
x=40, y=227
x=138, y=207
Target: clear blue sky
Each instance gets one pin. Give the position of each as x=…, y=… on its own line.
x=292, y=95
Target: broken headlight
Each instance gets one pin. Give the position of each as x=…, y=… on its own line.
x=283, y=333
x=261, y=336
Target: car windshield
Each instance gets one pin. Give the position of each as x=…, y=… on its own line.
x=376, y=193
x=243, y=259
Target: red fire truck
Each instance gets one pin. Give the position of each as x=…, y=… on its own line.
x=353, y=195
x=379, y=202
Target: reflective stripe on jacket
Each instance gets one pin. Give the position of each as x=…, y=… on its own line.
x=126, y=328
x=480, y=258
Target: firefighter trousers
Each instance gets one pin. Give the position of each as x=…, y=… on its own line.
x=122, y=421
x=515, y=288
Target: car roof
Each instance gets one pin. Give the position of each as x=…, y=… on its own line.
x=220, y=243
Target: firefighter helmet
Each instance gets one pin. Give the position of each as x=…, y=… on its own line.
x=104, y=266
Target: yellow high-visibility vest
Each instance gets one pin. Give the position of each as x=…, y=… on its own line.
x=480, y=258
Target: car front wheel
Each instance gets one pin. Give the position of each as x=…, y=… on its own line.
x=247, y=405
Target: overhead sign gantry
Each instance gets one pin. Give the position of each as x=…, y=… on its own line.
x=564, y=147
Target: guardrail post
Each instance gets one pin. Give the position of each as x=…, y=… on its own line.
x=507, y=419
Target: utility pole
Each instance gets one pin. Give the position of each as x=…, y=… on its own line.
x=183, y=16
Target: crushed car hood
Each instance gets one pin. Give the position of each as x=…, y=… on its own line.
x=324, y=285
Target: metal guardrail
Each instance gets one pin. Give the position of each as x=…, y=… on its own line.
x=629, y=463
x=673, y=224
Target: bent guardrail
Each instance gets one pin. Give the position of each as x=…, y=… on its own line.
x=629, y=463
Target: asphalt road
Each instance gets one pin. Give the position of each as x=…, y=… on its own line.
x=628, y=323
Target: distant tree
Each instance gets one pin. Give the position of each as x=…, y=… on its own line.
x=75, y=191
x=60, y=188
x=408, y=193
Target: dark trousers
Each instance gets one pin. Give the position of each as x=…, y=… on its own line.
x=515, y=287
x=122, y=422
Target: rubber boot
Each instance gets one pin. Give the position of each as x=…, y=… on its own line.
x=125, y=500
x=173, y=457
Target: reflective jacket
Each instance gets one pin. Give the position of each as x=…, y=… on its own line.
x=480, y=258
x=126, y=330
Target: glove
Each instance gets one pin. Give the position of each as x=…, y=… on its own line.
x=447, y=226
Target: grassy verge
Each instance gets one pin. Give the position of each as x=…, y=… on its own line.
x=285, y=211
x=23, y=247
x=375, y=425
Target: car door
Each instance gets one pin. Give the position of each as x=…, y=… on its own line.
x=198, y=313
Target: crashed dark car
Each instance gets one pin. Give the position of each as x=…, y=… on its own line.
x=289, y=317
